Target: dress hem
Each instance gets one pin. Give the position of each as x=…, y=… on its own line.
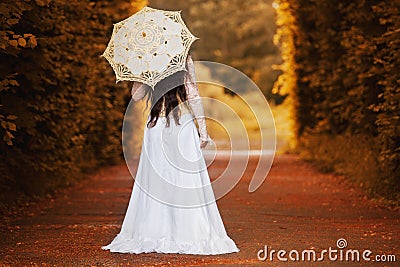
x=205, y=247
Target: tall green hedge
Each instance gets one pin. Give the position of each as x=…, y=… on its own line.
x=61, y=112
x=345, y=59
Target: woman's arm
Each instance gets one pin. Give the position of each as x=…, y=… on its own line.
x=138, y=91
x=195, y=101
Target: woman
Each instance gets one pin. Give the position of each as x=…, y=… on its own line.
x=172, y=208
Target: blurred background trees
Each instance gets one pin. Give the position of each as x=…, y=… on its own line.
x=239, y=34
x=233, y=32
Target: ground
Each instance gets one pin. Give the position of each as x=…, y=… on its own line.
x=296, y=208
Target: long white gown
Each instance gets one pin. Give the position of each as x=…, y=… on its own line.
x=172, y=208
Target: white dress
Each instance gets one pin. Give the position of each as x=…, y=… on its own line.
x=172, y=208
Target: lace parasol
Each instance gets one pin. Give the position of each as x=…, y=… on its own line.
x=149, y=46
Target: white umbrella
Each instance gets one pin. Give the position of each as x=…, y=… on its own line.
x=149, y=46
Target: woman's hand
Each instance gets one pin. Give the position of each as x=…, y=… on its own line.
x=138, y=91
x=203, y=144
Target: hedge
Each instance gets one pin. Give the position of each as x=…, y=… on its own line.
x=342, y=61
x=61, y=112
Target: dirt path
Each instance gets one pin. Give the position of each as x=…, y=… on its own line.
x=296, y=208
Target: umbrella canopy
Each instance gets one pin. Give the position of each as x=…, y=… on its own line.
x=149, y=46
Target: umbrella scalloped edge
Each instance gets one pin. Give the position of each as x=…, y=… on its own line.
x=149, y=77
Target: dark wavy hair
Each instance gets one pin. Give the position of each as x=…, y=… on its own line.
x=171, y=91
